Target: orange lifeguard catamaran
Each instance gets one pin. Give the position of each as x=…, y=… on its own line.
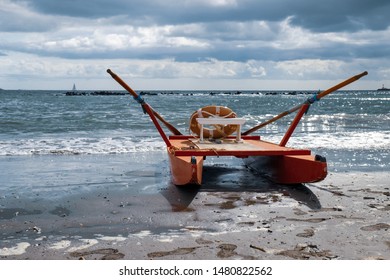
x=213, y=128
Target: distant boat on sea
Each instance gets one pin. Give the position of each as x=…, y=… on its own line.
x=74, y=87
x=383, y=88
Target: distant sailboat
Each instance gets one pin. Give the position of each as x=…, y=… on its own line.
x=74, y=87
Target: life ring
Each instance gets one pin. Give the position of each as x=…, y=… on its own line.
x=219, y=131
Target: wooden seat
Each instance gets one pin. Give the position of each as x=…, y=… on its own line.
x=221, y=121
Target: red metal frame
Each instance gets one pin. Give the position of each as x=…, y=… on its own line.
x=239, y=153
x=186, y=137
x=294, y=124
x=148, y=109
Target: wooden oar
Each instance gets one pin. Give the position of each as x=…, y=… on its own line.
x=308, y=101
x=142, y=102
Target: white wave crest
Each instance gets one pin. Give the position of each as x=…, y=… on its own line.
x=82, y=145
x=372, y=140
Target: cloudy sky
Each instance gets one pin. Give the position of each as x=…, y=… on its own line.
x=194, y=44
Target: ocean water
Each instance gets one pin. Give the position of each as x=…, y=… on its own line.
x=350, y=128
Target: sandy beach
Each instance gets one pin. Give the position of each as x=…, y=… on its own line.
x=123, y=207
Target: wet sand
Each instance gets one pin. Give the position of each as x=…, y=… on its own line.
x=124, y=207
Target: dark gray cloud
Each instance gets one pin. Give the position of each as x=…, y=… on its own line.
x=134, y=9
x=346, y=15
x=228, y=29
x=15, y=16
x=200, y=38
x=320, y=16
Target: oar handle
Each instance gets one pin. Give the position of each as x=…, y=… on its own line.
x=123, y=84
x=340, y=85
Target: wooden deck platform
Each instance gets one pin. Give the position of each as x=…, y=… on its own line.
x=250, y=146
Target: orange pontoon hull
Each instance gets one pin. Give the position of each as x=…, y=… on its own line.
x=185, y=170
x=290, y=169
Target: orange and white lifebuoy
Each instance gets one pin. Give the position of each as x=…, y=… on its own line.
x=219, y=131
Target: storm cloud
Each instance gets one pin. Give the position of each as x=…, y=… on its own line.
x=242, y=40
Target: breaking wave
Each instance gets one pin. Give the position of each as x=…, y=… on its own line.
x=79, y=146
x=374, y=140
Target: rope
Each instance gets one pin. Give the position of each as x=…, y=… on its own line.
x=311, y=100
x=139, y=99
